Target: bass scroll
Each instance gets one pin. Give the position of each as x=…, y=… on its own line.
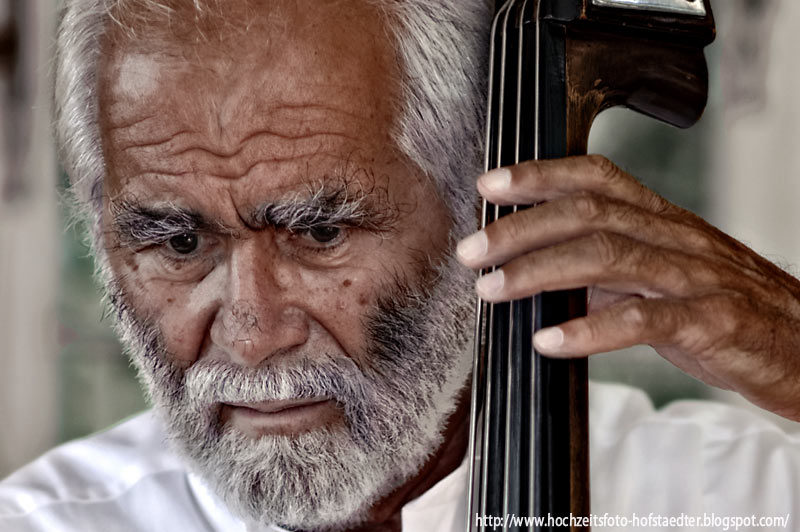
x=555, y=64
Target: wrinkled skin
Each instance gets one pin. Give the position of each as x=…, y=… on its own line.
x=657, y=274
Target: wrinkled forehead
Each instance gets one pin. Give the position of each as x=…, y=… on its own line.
x=293, y=68
x=333, y=42
x=225, y=22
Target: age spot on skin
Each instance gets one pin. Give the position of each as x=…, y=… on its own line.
x=347, y=282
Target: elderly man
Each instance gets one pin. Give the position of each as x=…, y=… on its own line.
x=275, y=190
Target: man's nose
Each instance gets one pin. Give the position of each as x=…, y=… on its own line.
x=258, y=318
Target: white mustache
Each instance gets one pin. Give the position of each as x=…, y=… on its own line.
x=339, y=378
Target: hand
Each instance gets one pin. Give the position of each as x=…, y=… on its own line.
x=657, y=274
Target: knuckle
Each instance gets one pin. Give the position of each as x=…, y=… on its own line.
x=681, y=280
x=663, y=207
x=589, y=207
x=657, y=204
x=630, y=216
x=594, y=330
x=604, y=169
x=605, y=247
x=634, y=316
x=675, y=274
x=726, y=311
x=700, y=240
x=718, y=323
x=532, y=171
x=508, y=229
x=708, y=240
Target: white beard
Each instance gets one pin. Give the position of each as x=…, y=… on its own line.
x=395, y=409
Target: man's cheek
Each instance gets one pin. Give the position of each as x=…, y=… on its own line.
x=181, y=311
x=339, y=301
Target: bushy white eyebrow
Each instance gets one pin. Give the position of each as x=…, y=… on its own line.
x=324, y=204
x=137, y=224
x=328, y=204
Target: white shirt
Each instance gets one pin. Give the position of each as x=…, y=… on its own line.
x=691, y=458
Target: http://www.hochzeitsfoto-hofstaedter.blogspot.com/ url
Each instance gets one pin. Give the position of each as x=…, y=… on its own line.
x=708, y=521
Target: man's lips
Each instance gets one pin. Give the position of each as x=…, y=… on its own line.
x=272, y=407
x=291, y=416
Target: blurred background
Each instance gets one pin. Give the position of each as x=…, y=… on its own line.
x=62, y=374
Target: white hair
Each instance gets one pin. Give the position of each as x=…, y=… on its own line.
x=442, y=46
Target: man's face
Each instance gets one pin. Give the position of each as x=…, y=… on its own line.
x=266, y=240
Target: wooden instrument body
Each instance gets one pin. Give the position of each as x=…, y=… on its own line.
x=555, y=65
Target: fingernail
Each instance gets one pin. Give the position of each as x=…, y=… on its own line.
x=491, y=283
x=474, y=246
x=549, y=339
x=496, y=180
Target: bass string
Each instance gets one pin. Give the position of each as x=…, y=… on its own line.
x=478, y=474
x=500, y=366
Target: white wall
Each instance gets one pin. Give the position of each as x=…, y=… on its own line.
x=755, y=178
x=29, y=263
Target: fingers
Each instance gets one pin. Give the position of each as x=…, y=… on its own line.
x=598, y=228
x=574, y=216
x=659, y=275
x=608, y=261
x=635, y=321
x=536, y=181
x=682, y=331
x=631, y=322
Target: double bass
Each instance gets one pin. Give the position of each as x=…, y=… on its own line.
x=554, y=65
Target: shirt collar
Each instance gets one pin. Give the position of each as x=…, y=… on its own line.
x=443, y=507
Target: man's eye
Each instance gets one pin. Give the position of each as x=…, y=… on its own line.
x=324, y=234
x=184, y=244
